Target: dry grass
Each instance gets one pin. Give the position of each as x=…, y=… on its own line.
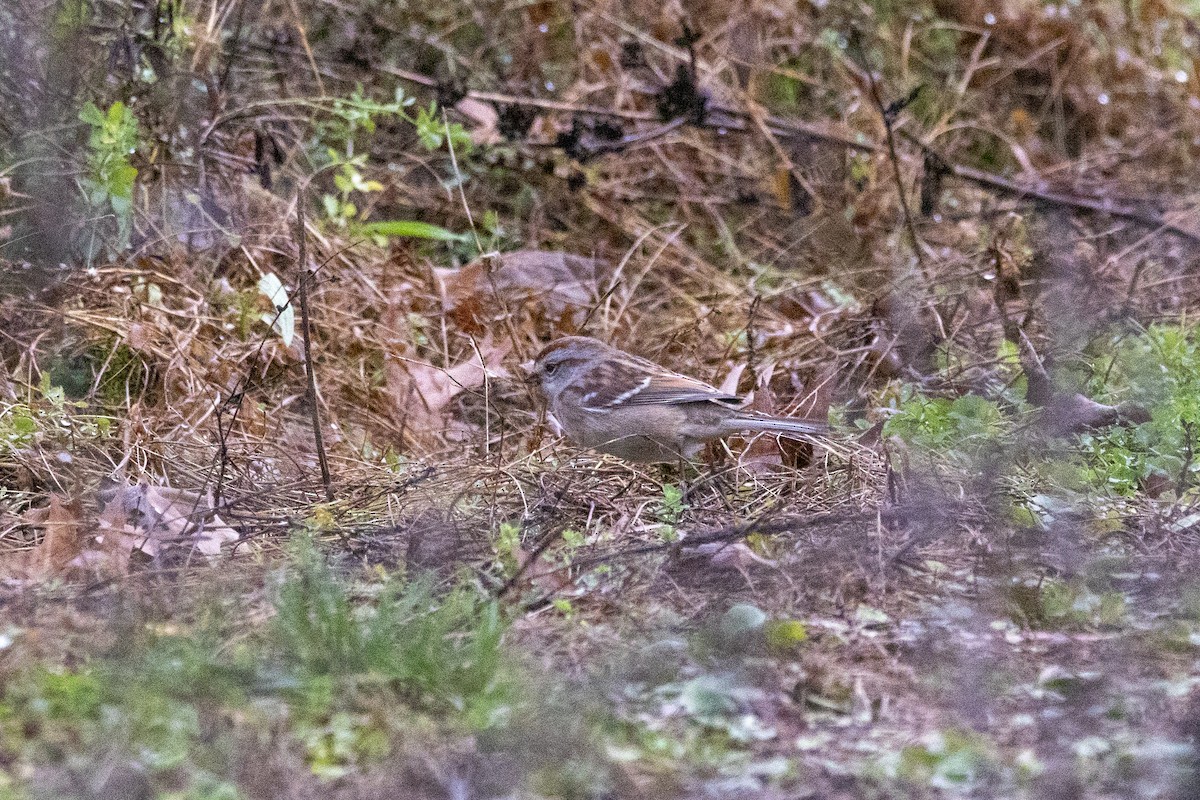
x=767, y=242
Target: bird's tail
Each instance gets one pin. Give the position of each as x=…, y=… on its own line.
x=762, y=423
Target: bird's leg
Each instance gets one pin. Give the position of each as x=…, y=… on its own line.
x=704, y=475
x=684, y=488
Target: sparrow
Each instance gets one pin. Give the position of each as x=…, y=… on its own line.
x=608, y=400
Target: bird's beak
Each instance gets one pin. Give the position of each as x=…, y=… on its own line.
x=530, y=375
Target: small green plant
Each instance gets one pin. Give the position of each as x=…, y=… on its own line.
x=348, y=179
x=670, y=511
x=335, y=744
x=438, y=655
x=950, y=759
x=343, y=665
x=966, y=424
x=507, y=547
x=107, y=372
x=60, y=695
x=352, y=119
x=434, y=132
x=48, y=419
x=108, y=181
x=1158, y=370
x=18, y=426
x=1055, y=604
x=93, y=713
x=573, y=540
x=341, y=141
x=442, y=652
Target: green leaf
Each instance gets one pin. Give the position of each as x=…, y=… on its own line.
x=116, y=114
x=23, y=424
x=411, y=229
x=785, y=634
x=91, y=115
x=331, y=204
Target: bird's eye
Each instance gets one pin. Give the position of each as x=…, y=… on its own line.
x=550, y=369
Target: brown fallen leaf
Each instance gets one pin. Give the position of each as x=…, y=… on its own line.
x=729, y=555
x=63, y=540
x=485, y=130
x=140, y=337
x=541, y=572
x=763, y=453
x=559, y=286
x=150, y=518
x=422, y=391
x=730, y=384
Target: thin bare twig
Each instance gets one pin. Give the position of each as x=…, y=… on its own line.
x=314, y=404
x=1026, y=192
x=888, y=114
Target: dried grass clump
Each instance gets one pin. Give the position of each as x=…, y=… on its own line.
x=758, y=238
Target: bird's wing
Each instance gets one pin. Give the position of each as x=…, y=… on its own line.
x=635, y=382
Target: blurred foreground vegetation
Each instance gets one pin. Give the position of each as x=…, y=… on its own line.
x=963, y=231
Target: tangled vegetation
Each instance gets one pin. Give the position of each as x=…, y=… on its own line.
x=281, y=518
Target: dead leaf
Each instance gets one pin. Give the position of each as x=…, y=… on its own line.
x=729, y=555
x=560, y=286
x=780, y=185
x=114, y=536
x=150, y=518
x=541, y=572
x=486, y=128
x=425, y=390
x=730, y=384
x=140, y=338
x=813, y=308
x=63, y=540
x=603, y=61
x=762, y=454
